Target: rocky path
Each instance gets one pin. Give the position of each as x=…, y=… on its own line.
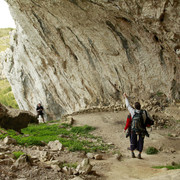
x=110, y=126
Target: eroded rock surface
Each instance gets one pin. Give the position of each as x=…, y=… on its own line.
x=74, y=54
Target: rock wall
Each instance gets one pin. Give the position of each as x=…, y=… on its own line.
x=74, y=54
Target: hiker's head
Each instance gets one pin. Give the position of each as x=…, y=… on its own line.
x=39, y=104
x=137, y=105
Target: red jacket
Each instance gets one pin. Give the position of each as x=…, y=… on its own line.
x=128, y=122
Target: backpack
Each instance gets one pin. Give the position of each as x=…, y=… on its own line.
x=149, y=122
x=137, y=123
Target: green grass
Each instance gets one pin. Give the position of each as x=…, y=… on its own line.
x=17, y=154
x=170, y=167
x=70, y=165
x=74, y=138
x=4, y=38
x=6, y=94
x=151, y=150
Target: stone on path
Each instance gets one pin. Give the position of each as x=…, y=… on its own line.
x=8, y=140
x=55, y=145
x=98, y=157
x=85, y=167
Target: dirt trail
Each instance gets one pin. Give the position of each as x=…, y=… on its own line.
x=110, y=126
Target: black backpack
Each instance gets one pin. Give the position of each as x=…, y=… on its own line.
x=137, y=124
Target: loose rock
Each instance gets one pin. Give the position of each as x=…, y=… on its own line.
x=55, y=145
x=9, y=140
x=98, y=157
x=85, y=167
x=90, y=155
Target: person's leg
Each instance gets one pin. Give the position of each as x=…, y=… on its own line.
x=133, y=143
x=42, y=118
x=140, y=145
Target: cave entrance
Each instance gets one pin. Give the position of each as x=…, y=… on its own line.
x=6, y=26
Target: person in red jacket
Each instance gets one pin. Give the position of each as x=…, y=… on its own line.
x=128, y=128
x=128, y=122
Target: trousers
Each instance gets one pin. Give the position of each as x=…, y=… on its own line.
x=137, y=141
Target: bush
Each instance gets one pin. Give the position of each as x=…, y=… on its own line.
x=151, y=150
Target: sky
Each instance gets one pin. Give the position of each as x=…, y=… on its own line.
x=5, y=16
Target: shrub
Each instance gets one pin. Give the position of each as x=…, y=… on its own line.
x=151, y=150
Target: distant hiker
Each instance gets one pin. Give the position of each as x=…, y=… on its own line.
x=138, y=126
x=128, y=127
x=39, y=110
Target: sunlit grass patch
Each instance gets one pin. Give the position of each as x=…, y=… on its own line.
x=169, y=167
x=74, y=138
x=17, y=154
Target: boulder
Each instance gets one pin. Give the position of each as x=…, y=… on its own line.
x=15, y=119
x=55, y=145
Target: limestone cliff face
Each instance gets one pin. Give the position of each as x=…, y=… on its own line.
x=72, y=54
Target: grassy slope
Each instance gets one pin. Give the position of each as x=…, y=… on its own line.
x=74, y=138
x=4, y=38
x=6, y=95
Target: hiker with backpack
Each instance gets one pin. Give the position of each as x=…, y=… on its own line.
x=140, y=119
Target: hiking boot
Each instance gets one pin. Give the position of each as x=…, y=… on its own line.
x=139, y=156
x=133, y=155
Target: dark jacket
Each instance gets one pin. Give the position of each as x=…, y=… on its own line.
x=39, y=110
